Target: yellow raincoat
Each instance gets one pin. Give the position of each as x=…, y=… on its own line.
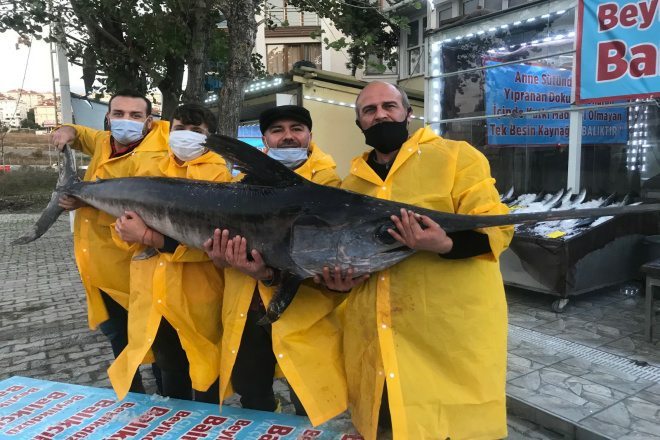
x=434, y=328
x=183, y=287
x=103, y=265
x=307, y=339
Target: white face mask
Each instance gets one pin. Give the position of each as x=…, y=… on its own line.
x=292, y=158
x=186, y=144
x=126, y=131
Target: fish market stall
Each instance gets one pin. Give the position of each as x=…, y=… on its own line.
x=571, y=257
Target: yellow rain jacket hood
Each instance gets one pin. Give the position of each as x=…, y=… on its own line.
x=183, y=287
x=103, y=265
x=434, y=329
x=307, y=339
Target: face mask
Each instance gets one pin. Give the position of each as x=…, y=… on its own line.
x=292, y=158
x=387, y=136
x=125, y=131
x=186, y=144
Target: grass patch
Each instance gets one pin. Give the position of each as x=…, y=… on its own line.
x=27, y=181
x=26, y=189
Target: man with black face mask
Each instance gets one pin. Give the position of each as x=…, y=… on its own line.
x=425, y=340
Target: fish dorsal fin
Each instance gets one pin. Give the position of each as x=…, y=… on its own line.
x=259, y=169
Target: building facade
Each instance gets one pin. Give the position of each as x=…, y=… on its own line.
x=297, y=36
x=46, y=116
x=500, y=74
x=13, y=111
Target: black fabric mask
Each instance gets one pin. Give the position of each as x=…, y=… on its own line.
x=387, y=136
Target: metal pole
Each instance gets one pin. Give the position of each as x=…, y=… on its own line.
x=65, y=86
x=574, y=152
x=52, y=75
x=65, y=100
x=574, y=131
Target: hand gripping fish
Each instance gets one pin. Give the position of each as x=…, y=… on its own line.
x=298, y=226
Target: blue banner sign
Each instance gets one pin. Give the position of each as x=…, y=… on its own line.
x=38, y=409
x=520, y=88
x=617, y=50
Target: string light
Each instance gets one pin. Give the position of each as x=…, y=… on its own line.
x=341, y=103
x=262, y=85
x=435, y=48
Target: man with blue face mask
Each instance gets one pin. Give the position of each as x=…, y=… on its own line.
x=176, y=294
x=306, y=342
x=287, y=134
x=133, y=146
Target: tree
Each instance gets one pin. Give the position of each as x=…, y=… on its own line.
x=138, y=45
x=142, y=45
x=242, y=28
x=29, y=122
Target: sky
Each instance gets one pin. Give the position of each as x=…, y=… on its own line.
x=38, y=77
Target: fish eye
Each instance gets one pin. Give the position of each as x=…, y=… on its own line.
x=381, y=235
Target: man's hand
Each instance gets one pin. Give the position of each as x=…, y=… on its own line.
x=409, y=232
x=132, y=229
x=236, y=256
x=70, y=203
x=216, y=248
x=335, y=280
x=62, y=136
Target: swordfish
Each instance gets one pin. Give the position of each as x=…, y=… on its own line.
x=298, y=226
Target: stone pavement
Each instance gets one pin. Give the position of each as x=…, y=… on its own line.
x=43, y=321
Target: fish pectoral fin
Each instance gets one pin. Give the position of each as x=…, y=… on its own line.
x=284, y=295
x=145, y=254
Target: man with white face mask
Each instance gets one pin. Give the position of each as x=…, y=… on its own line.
x=306, y=342
x=133, y=146
x=176, y=295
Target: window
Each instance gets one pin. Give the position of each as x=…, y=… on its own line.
x=444, y=13
x=476, y=71
x=470, y=6
x=415, y=48
x=375, y=66
x=283, y=14
x=413, y=34
x=513, y=3
x=493, y=5
x=281, y=57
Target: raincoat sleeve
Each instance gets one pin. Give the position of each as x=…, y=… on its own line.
x=86, y=138
x=474, y=193
x=327, y=177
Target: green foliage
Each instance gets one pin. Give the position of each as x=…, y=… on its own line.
x=29, y=121
x=26, y=123
x=123, y=44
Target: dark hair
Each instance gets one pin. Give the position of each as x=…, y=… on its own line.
x=195, y=114
x=130, y=94
x=292, y=112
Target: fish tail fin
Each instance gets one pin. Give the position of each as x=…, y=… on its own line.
x=52, y=211
x=282, y=298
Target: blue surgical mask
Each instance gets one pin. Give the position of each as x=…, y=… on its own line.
x=126, y=131
x=186, y=144
x=292, y=158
